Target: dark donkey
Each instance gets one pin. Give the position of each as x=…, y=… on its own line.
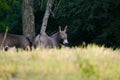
x=18, y=41
x=55, y=40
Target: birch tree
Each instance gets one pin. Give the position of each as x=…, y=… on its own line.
x=46, y=16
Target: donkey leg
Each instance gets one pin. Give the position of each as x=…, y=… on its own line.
x=28, y=48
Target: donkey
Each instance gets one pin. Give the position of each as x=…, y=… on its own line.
x=55, y=40
x=18, y=41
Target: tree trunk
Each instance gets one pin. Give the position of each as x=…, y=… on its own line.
x=46, y=16
x=28, y=19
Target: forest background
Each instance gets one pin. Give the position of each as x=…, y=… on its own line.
x=89, y=21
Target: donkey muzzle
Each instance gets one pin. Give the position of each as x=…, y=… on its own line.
x=6, y=48
x=65, y=41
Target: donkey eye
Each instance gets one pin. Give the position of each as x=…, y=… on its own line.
x=64, y=36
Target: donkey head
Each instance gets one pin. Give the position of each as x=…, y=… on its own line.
x=63, y=35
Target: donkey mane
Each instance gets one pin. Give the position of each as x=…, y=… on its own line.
x=55, y=35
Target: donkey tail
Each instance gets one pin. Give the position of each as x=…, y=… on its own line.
x=30, y=43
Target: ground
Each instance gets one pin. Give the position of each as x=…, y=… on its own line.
x=91, y=63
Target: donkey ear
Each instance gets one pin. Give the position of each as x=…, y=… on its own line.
x=60, y=29
x=65, y=28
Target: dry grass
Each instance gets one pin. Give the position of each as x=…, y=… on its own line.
x=91, y=63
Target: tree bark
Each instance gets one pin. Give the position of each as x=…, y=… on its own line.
x=46, y=16
x=28, y=19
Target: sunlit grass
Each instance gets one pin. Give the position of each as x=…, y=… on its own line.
x=91, y=63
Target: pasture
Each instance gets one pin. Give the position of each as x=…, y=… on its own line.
x=91, y=63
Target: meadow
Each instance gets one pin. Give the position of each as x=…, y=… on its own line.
x=91, y=63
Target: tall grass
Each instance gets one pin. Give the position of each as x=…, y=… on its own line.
x=91, y=63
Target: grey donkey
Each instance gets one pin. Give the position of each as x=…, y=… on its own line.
x=53, y=41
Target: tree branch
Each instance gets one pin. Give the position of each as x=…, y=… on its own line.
x=46, y=16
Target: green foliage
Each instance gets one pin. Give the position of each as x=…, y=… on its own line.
x=4, y=5
x=88, y=20
x=110, y=35
x=95, y=21
x=11, y=17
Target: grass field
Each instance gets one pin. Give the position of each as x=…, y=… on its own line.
x=91, y=63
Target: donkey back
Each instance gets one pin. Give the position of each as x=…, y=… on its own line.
x=18, y=41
